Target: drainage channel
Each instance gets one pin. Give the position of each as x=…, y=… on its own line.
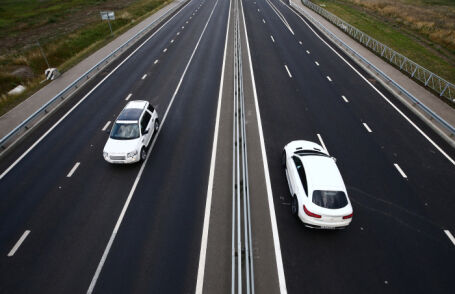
x=242, y=260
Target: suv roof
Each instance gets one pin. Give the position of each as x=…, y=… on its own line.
x=133, y=110
x=322, y=173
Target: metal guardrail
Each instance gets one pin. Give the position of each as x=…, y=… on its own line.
x=414, y=100
x=429, y=79
x=242, y=248
x=29, y=122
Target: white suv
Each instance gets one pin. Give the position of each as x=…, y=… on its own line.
x=319, y=196
x=131, y=133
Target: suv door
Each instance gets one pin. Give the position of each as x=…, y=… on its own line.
x=146, y=127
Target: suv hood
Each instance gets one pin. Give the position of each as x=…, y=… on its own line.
x=121, y=146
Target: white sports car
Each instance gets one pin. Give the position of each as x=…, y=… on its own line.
x=131, y=133
x=319, y=196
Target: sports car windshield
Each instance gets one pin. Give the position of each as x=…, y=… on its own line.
x=122, y=131
x=330, y=199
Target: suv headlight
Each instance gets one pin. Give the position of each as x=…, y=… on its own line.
x=131, y=154
x=105, y=154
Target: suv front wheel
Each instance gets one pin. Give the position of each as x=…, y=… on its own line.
x=143, y=154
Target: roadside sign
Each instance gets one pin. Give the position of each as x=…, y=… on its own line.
x=107, y=15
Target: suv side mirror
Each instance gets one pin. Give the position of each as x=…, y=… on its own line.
x=334, y=159
x=145, y=132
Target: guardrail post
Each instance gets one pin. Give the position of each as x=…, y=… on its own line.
x=426, y=82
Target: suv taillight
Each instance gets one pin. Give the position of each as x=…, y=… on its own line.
x=309, y=213
x=348, y=216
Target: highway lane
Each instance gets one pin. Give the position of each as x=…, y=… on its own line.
x=71, y=218
x=396, y=242
x=157, y=246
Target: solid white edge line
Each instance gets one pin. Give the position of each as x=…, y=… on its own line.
x=344, y=98
x=273, y=40
x=136, y=181
x=322, y=142
x=129, y=96
x=208, y=204
x=76, y=165
x=144, y=76
x=276, y=239
x=287, y=69
x=328, y=78
x=367, y=127
x=379, y=92
x=18, y=243
x=86, y=95
x=106, y=126
x=450, y=236
x=400, y=171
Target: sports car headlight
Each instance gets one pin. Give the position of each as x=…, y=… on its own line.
x=131, y=154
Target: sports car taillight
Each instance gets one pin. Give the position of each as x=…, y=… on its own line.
x=348, y=216
x=309, y=213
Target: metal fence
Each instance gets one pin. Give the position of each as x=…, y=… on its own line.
x=433, y=116
x=429, y=79
x=53, y=103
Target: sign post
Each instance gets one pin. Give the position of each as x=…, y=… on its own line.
x=108, y=15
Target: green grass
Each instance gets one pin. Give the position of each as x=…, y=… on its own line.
x=62, y=50
x=412, y=45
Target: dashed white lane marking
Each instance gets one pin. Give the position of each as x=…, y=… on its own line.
x=165, y=49
x=178, y=33
x=317, y=63
x=344, y=98
x=19, y=243
x=322, y=142
x=191, y=17
x=308, y=52
x=129, y=96
x=156, y=61
x=400, y=171
x=287, y=69
x=106, y=126
x=450, y=236
x=263, y=20
x=186, y=21
x=172, y=41
x=273, y=40
x=73, y=170
x=259, y=10
x=367, y=127
x=144, y=76
x=300, y=42
x=328, y=78
x=183, y=27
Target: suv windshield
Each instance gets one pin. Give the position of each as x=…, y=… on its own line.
x=122, y=131
x=330, y=199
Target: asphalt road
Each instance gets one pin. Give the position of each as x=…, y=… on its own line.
x=71, y=218
x=137, y=228
x=396, y=242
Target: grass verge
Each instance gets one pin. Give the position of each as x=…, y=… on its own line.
x=392, y=29
x=64, y=50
